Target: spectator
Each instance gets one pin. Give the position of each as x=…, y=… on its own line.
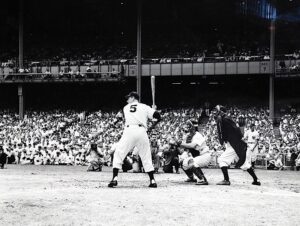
x=298, y=162
x=64, y=137
x=3, y=158
x=38, y=159
x=95, y=158
x=171, y=154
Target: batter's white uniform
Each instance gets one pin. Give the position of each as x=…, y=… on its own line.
x=135, y=135
x=252, y=139
x=203, y=159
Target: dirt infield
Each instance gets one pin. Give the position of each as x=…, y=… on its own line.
x=61, y=195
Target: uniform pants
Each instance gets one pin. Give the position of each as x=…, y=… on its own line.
x=252, y=154
x=134, y=136
x=229, y=156
x=202, y=160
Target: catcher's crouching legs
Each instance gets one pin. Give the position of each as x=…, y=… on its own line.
x=201, y=161
x=199, y=173
x=187, y=166
x=190, y=174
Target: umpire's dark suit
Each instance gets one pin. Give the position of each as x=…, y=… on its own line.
x=229, y=132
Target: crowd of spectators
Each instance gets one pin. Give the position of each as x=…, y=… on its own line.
x=290, y=134
x=185, y=52
x=65, y=138
x=54, y=137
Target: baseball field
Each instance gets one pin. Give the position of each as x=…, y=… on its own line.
x=66, y=195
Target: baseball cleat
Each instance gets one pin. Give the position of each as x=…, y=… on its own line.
x=112, y=184
x=224, y=182
x=256, y=183
x=152, y=185
x=191, y=180
x=202, y=182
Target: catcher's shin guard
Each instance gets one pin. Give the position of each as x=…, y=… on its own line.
x=199, y=173
x=190, y=175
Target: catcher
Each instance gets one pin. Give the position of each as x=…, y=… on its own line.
x=196, y=154
x=95, y=158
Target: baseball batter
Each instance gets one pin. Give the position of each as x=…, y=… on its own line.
x=135, y=136
x=231, y=136
x=251, y=136
x=200, y=155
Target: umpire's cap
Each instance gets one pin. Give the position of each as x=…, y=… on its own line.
x=133, y=94
x=221, y=108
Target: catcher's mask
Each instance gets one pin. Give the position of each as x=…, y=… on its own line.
x=190, y=126
x=94, y=146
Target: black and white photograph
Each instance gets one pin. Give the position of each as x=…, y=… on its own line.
x=150, y=112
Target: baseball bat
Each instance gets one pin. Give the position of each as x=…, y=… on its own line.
x=153, y=91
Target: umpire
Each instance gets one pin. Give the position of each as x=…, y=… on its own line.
x=236, y=149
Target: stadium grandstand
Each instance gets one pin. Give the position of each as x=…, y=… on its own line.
x=65, y=67
x=86, y=55
x=202, y=50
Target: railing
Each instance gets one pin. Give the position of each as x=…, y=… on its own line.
x=61, y=77
x=165, y=67
x=37, y=64
x=161, y=60
x=261, y=161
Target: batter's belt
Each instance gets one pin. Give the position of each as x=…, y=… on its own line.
x=139, y=125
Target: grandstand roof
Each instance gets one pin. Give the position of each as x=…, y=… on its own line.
x=114, y=21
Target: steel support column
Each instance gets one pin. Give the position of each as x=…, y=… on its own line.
x=139, y=49
x=272, y=70
x=21, y=57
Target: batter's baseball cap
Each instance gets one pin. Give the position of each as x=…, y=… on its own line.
x=133, y=94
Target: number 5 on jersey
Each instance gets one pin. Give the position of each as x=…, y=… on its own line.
x=133, y=108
